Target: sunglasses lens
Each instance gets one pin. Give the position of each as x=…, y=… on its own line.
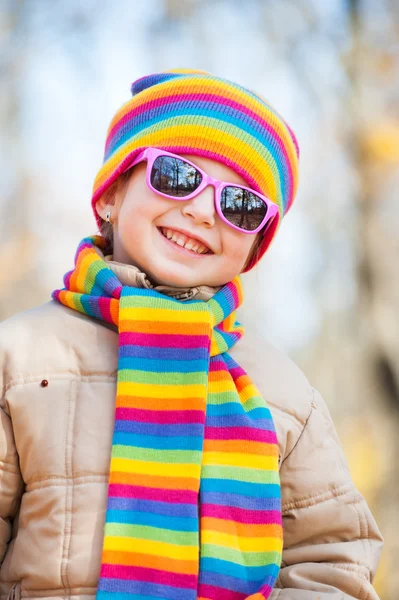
x=242, y=208
x=174, y=177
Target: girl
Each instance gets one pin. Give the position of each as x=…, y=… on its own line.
x=175, y=493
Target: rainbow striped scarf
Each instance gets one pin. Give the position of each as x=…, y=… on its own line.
x=194, y=510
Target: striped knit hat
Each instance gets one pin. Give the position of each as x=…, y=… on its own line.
x=193, y=112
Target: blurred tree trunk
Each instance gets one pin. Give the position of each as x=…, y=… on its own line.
x=373, y=67
x=357, y=355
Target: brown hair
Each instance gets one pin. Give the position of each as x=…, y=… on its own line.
x=106, y=229
x=255, y=250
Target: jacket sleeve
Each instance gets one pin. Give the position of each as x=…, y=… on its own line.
x=11, y=483
x=331, y=541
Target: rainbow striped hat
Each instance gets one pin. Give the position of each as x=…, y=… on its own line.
x=193, y=112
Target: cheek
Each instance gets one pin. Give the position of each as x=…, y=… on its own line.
x=130, y=214
x=137, y=209
x=237, y=246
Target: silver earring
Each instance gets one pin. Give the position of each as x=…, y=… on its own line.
x=108, y=217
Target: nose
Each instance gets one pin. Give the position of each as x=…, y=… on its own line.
x=201, y=208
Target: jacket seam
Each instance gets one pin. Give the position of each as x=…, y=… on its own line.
x=65, y=482
x=365, y=539
x=308, y=501
x=84, y=377
x=360, y=589
x=353, y=567
x=60, y=589
x=293, y=414
x=68, y=491
x=61, y=592
x=358, y=570
x=300, y=435
x=294, y=417
x=4, y=464
x=56, y=591
x=328, y=425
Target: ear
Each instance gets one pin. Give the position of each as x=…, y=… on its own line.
x=103, y=205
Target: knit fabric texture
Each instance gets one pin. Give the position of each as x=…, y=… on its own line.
x=194, y=507
x=193, y=112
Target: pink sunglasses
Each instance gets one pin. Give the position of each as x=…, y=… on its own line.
x=176, y=178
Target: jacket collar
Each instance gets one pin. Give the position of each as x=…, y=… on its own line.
x=132, y=276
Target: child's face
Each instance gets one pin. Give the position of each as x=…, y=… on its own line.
x=142, y=217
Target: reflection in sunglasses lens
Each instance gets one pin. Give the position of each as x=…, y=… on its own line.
x=174, y=177
x=242, y=208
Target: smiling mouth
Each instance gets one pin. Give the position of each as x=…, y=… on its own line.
x=184, y=241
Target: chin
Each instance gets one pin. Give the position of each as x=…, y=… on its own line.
x=176, y=276
x=177, y=280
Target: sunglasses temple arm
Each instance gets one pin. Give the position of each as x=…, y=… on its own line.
x=139, y=158
x=269, y=223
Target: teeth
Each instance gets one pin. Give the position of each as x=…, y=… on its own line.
x=180, y=241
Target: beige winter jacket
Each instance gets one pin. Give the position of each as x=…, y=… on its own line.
x=57, y=382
